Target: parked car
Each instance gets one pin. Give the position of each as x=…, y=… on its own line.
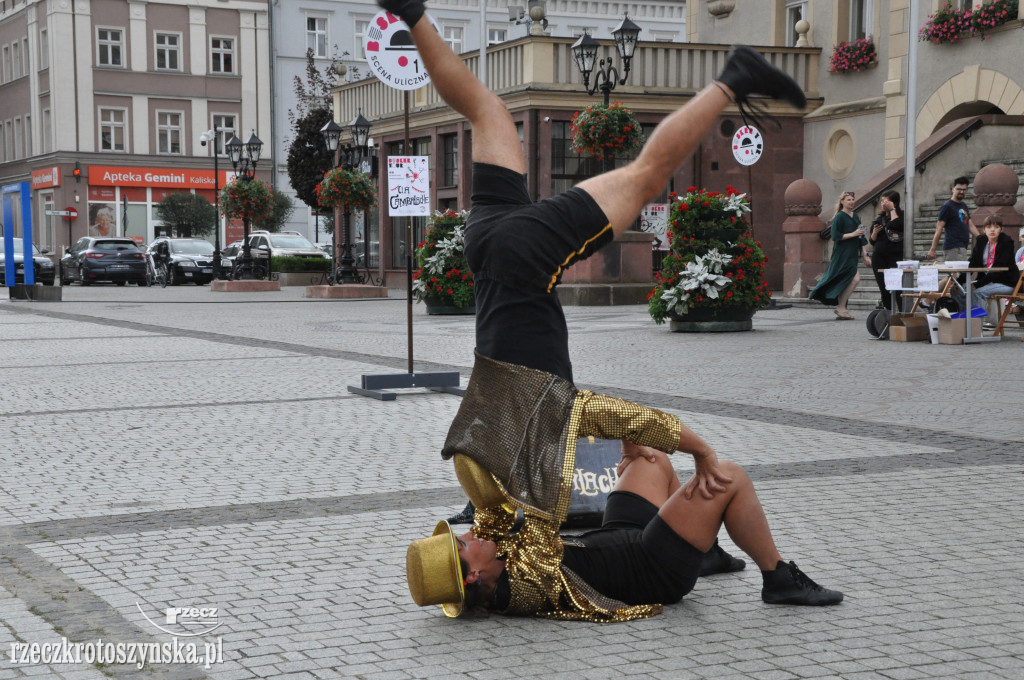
x=188, y=259
x=43, y=267
x=283, y=244
x=94, y=259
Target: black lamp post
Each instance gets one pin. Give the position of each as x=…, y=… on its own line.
x=211, y=137
x=244, y=158
x=585, y=49
x=348, y=158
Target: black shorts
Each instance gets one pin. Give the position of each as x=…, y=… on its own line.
x=635, y=556
x=519, y=243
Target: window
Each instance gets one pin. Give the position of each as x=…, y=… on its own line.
x=168, y=132
x=7, y=63
x=26, y=60
x=16, y=59
x=316, y=36
x=47, y=133
x=360, y=50
x=225, y=126
x=567, y=167
x=450, y=170
x=44, y=49
x=795, y=11
x=496, y=36
x=28, y=136
x=167, y=51
x=113, y=129
x=578, y=31
x=108, y=46
x=222, y=55
x=861, y=12
x=453, y=36
x=8, y=142
x=17, y=138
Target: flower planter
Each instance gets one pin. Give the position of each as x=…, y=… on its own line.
x=703, y=320
x=300, y=278
x=435, y=307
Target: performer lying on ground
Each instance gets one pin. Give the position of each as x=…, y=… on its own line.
x=516, y=430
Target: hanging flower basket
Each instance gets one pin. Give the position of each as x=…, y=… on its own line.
x=346, y=189
x=714, y=271
x=444, y=282
x=853, y=56
x=251, y=199
x=951, y=25
x=606, y=131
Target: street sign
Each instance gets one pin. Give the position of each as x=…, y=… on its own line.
x=70, y=213
x=391, y=54
x=747, y=145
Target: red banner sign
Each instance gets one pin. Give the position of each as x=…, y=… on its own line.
x=184, y=178
x=45, y=179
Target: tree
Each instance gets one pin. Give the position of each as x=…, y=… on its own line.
x=281, y=209
x=187, y=214
x=308, y=157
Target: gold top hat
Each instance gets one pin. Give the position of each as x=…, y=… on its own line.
x=433, y=571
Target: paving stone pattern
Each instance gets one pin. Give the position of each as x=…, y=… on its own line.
x=181, y=448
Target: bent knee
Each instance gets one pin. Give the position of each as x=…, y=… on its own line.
x=734, y=470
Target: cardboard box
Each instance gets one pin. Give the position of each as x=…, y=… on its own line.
x=953, y=331
x=907, y=328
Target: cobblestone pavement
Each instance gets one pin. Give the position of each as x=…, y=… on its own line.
x=177, y=448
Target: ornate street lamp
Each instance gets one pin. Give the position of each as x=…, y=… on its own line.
x=244, y=158
x=348, y=157
x=585, y=50
x=211, y=136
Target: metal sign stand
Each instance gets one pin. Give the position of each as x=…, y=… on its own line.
x=377, y=385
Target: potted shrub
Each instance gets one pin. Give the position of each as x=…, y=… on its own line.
x=712, y=279
x=605, y=131
x=443, y=281
x=246, y=199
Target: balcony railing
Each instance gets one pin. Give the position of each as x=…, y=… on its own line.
x=543, y=64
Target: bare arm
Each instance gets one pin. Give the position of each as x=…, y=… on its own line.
x=939, y=226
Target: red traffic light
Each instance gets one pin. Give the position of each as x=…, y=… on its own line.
x=77, y=172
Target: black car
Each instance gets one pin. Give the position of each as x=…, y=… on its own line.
x=43, y=266
x=95, y=258
x=188, y=259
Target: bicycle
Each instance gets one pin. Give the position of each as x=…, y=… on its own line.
x=156, y=273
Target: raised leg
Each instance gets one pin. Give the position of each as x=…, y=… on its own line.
x=495, y=139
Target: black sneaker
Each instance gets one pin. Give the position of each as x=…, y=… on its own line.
x=465, y=517
x=747, y=73
x=788, y=585
x=717, y=561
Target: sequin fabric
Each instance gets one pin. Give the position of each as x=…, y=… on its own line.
x=522, y=425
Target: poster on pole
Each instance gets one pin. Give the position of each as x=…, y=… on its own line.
x=654, y=220
x=391, y=54
x=408, y=186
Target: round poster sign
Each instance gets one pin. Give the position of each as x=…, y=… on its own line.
x=391, y=54
x=747, y=145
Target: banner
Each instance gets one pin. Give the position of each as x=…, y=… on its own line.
x=408, y=186
x=654, y=220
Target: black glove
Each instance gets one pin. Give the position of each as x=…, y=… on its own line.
x=408, y=11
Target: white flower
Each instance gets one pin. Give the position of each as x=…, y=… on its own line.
x=703, y=275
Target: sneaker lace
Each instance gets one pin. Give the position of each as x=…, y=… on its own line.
x=802, y=580
x=757, y=113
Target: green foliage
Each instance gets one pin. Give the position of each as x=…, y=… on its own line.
x=346, y=189
x=281, y=208
x=444, y=274
x=714, y=262
x=187, y=214
x=293, y=263
x=308, y=157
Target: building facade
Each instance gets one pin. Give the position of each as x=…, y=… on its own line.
x=103, y=103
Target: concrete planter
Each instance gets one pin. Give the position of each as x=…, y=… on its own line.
x=300, y=278
x=726, y=320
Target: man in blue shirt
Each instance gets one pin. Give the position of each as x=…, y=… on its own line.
x=955, y=218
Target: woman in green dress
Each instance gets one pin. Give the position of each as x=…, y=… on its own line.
x=841, y=277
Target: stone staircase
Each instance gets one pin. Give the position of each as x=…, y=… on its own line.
x=866, y=295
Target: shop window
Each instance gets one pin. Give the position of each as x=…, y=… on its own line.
x=450, y=159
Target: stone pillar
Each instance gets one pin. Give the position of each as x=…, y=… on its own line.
x=995, y=193
x=804, y=262
x=618, y=274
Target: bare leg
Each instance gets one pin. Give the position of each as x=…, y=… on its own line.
x=623, y=192
x=495, y=139
x=698, y=519
x=655, y=481
x=847, y=292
